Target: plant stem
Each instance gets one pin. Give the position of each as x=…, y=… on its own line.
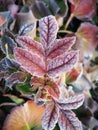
x=69, y=20
x=65, y=31
x=7, y=104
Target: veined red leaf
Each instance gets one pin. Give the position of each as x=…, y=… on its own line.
x=53, y=89
x=30, y=62
x=61, y=46
x=62, y=63
x=48, y=30
x=50, y=117
x=71, y=103
x=24, y=117
x=48, y=84
x=68, y=121
x=83, y=9
x=37, y=81
x=30, y=45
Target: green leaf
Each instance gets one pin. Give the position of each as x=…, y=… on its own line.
x=15, y=99
x=24, y=89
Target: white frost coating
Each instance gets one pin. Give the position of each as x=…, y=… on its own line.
x=48, y=30
x=72, y=102
x=50, y=117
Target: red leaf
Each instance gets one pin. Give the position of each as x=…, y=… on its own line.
x=61, y=46
x=30, y=62
x=50, y=117
x=86, y=42
x=2, y=20
x=74, y=73
x=83, y=9
x=71, y=103
x=35, y=60
x=92, y=36
x=68, y=121
x=46, y=83
x=53, y=89
x=62, y=63
x=30, y=45
x=37, y=81
x=48, y=30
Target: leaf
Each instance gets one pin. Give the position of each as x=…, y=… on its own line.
x=50, y=117
x=46, y=83
x=83, y=83
x=71, y=103
x=48, y=31
x=86, y=42
x=3, y=66
x=91, y=37
x=39, y=9
x=24, y=117
x=24, y=89
x=30, y=45
x=24, y=19
x=34, y=52
x=61, y=46
x=44, y=8
x=30, y=62
x=62, y=63
x=74, y=74
x=3, y=75
x=83, y=9
x=4, y=17
x=2, y=21
x=29, y=2
x=7, y=45
x=53, y=6
x=15, y=98
x=63, y=7
x=26, y=29
x=11, y=63
x=53, y=89
x=68, y=121
x=16, y=77
x=37, y=81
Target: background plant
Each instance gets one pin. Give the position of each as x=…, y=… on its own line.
x=47, y=85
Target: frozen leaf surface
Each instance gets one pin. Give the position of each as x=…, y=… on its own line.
x=26, y=28
x=30, y=45
x=50, y=117
x=48, y=30
x=68, y=121
x=35, y=57
x=72, y=102
x=60, y=46
x=62, y=63
x=30, y=62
